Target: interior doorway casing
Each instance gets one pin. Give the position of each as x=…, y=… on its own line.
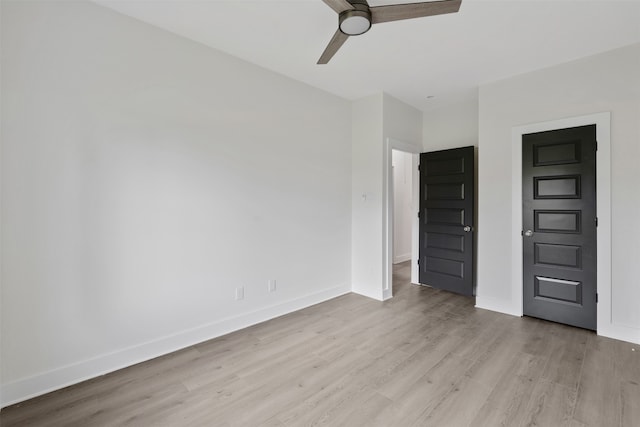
x=391, y=144
x=603, y=184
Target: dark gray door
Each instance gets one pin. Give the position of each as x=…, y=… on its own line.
x=447, y=187
x=559, y=221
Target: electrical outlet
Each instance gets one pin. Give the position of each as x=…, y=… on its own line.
x=239, y=293
x=271, y=285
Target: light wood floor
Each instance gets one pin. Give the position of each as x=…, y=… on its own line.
x=424, y=358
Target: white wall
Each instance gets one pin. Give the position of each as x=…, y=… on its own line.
x=375, y=119
x=402, y=205
x=402, y=122
x=366, y=185
x=144, y=178
x=604, y=82
x=452, y=125
x=402, y=130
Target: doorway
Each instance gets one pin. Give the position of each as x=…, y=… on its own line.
x=402, y=165
x=412, y=151
x=463, y=257
x=447, y=226
x=605, y=324
x=402, y=177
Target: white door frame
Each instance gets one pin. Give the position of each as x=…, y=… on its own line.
x=603, y=197
x=387, y=214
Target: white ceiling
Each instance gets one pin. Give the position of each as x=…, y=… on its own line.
x=444, y=56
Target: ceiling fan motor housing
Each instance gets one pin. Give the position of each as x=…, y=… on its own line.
x=357, y=20
x=355, y=17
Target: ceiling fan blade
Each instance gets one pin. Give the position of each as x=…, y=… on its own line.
x=338, y=5
x=397, y=12
x=336, y=42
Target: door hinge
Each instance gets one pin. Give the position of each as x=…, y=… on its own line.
x=596, y=221
x=418, y=167
x=596, y=145
x=596, y=297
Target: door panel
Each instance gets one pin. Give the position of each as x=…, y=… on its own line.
x=559, y=216
x=557, y=290
x=444, y=216
x=446, y=207
x=556, y=221
x=557, y=187
x=441, y=167
x=445, y=241
x=439, y=191
x=567, y=256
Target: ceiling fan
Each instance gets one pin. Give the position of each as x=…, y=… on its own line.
x=355, y=17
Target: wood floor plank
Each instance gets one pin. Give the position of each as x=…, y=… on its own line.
x=312, y=390
x=489, y=365
x=369, y=410
x=550, y=404
x=507, y=405
x=401, y=380
x=567, y=348
x=458, y=407
x=599, y=396
x=327, y=406
x=630, y=402
x=423, y=394
x=426, y=357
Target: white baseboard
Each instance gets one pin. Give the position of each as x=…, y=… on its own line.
x=360, y=290
x=605, y=329
x=46, y=382
x=498, y=305
x=401, y=258
x=620, y=332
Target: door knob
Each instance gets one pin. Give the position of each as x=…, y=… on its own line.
x=528, y=233
x=467, y=229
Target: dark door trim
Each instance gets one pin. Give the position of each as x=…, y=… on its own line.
x=603, y=181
